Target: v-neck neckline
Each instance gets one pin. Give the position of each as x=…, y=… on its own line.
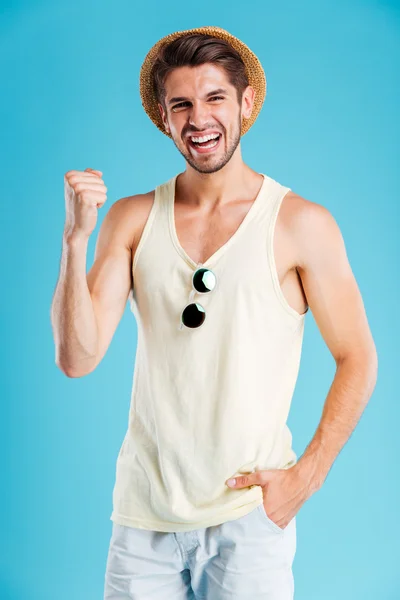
x=218, y=253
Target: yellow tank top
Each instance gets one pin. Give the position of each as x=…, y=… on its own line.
x=212, y=402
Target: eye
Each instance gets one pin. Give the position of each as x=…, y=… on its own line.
x=179, y=105
x=183, y=103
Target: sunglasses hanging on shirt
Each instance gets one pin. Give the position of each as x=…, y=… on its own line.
x=203, y=282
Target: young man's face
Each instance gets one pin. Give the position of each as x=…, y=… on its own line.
x=200, y=101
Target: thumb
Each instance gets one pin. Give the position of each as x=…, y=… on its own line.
x=256, y=478
x=94, y=171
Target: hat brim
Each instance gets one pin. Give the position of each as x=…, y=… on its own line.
x=253, y=67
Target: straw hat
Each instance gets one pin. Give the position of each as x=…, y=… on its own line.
x=254, y=71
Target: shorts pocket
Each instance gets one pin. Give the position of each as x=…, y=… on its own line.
x=265, y=517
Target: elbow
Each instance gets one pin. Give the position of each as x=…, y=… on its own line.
x=68, y=371
x=73, y=373
x=365, y=356
x=371, y=362
x=365, y=363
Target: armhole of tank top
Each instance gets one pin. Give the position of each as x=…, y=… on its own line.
x=142, y=240
x=271, y=258
x=146, y=229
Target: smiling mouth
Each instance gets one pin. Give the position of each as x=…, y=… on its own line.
x=205, y=147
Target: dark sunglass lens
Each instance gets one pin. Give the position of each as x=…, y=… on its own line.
x=204, y=280
x=193, y=315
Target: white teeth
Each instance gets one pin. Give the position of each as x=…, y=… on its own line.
x=206, y=138
x=211, y=145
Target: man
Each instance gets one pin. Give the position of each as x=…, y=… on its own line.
x=220, y=265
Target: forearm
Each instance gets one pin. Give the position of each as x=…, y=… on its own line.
x=348, y=395
x=72, y=314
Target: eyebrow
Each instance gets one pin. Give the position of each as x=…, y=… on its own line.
x=213, y=93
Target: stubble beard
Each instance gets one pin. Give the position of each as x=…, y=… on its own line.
x=220, y=162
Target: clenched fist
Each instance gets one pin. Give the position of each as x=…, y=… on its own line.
x=84, y=192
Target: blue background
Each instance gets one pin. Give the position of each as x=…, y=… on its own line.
x=329, y=129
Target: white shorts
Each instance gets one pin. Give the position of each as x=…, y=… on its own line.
x=249, y=558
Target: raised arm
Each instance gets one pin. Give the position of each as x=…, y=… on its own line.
x=86, y=308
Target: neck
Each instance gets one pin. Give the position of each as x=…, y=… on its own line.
x=234, y=181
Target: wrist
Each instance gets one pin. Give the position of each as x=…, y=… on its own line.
x=75, y=238
x=311, y=468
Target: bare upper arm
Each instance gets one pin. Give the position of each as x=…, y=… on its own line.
x=329, y=283
x=110, y=277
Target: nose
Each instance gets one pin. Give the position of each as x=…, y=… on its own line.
x=198, y=114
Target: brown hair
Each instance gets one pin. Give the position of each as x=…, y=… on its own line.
x=198, y=49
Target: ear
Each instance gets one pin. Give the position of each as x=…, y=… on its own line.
x=163, y=117
x=248, y=101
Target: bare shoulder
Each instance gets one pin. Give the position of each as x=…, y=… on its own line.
x=310, y=227
x=328, y=281
x=298, y=211
x=128, y=216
